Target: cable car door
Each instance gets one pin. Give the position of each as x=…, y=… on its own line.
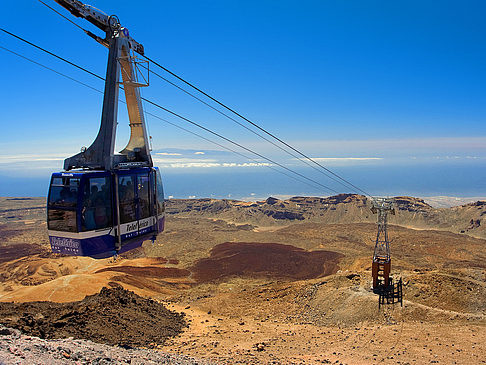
x=135, y=205
x=144, y=204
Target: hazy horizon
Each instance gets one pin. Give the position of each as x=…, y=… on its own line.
x=255, y=183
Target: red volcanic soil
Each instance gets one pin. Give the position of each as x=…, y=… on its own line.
x=269, y=260
x=265, y=260
x=149, y=271
x=18, y=250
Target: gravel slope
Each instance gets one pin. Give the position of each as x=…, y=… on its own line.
x=16, y=348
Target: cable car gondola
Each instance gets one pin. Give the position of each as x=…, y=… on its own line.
x=104, y=203
x=99, y=213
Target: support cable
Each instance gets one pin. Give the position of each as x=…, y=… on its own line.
x=65, y=17
x=231, y=150
x=246, y=127
x=50, y=53
x=184, y=129
x=238, y=145
x=341, y=180
x=51, y=69
x=256, y=125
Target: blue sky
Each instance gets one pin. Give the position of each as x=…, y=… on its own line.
x=352, y=83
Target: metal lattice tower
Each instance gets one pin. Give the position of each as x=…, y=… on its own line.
x=381, y=257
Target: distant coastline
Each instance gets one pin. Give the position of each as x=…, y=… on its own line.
x=439, y=185
x=434, y=201
x=450, y=201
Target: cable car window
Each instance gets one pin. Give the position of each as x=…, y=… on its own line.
x=61, y=220
x=97, y=207
x=126, y=191
x=160, y=193
x=64, y=192
x=144, y=195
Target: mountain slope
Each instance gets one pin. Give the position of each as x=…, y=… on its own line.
x=344, y=208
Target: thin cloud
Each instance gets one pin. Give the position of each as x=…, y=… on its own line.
x=29, y=158
x=182, y=160
x=168, y=154
x=347, y=158
x=207, y=165
x=437, y=143
x=345, y=161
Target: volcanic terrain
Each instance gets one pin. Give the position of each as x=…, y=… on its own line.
x=274, y=281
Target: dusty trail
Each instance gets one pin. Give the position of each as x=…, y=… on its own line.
x=445, y=311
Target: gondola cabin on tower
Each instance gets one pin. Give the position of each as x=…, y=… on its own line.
x=105, y=203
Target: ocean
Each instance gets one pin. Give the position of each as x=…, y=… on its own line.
x=253, y=183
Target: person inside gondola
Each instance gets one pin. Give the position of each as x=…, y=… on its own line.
x=89, y=210
x=66, y=197
x=97, y=206
x=127, y=201
x=100, y=212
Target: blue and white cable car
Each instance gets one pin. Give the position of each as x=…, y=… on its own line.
x=98, y=213
x=104, y=203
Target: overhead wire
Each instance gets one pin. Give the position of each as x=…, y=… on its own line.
x=336, y=177
x=332, y=176
x=231, y=150
x=50, y=69
x=343, y=181
x=50, y=53
x=65, y=17
x=216, y=143
x=243, y=125
x=239, y=145
x=190, y=94
x=184, y=129
x=146, y=122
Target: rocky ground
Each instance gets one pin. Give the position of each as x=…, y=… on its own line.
x=114, y=316
x=18, y=348
x=255, y=284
